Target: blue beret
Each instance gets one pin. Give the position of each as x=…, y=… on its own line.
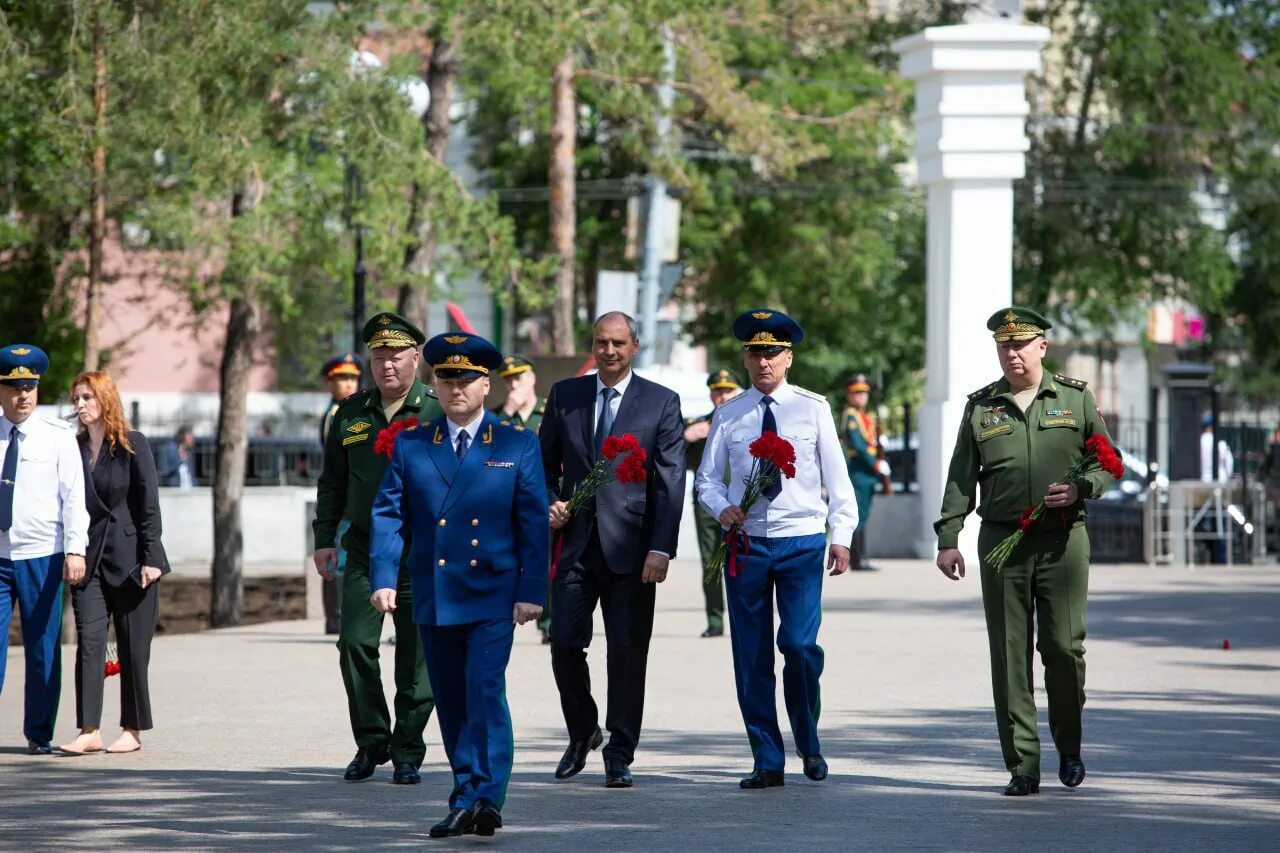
x=22, y=365
x=766, y=329
x=454, y=354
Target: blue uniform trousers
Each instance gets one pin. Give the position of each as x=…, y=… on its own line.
x=37, y=585
x=468, y=669
x=794, y=567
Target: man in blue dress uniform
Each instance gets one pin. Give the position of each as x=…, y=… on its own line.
x=468, y=491
x=788, y=541
x=44, y=528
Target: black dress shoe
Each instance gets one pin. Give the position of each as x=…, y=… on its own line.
x=366, y=761
x=406, y=774
x=617, y=774
x=815, y=767
x=714, y=631
x=1020, y=786
x=39, y=747
x=487, y=818
x=1071, y=771
x=575, y=757
x=763, y=779
x=459, y=822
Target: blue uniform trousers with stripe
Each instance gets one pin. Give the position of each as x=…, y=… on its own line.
x=793, y=567
x=37, y=586
x=468, y=669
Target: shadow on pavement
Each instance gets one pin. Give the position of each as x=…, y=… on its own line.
x=1137, y=758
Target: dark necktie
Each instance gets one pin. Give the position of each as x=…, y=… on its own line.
x=8, y=476
x=462, y=443
x=770, y=424
x=604, y=423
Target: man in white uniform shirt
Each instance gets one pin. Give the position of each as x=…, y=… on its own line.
x=787, y=530
x=44, y=528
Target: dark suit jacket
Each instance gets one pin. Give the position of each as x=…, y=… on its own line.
x=124, y=511
x=632, y=519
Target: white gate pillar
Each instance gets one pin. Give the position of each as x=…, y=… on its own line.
x=971, y=144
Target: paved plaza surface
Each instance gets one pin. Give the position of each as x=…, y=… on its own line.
x=1182, y=737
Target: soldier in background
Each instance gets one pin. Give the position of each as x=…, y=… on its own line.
x=342, y=374
x=723, y=385
x=866, y=467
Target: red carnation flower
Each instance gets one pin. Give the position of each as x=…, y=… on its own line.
x=616, y=445
x=387, y=438
x=632, y=469
x=1025, y=522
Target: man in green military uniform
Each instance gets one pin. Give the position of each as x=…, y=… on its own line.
x=723, y=385
x=352, y=473
x=1020, y=436
x=524, y=408
x=862, y=453
x=342, y=376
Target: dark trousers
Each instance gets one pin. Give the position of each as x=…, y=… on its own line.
x=468, y=667
x=134, y=612
x=36, y=584
x=627, y=605
x=710, y=533
x=789, y=568
x=358, y=657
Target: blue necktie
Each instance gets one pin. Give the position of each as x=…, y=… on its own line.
x=604, y=423
x=8, y=474
x=462, y=443
x=770, y=424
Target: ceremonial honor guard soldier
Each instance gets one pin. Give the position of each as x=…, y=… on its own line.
x=342, y=375
x=44, y=531
x=866, y=469
x=468, y=494
x=788, y=541
x=1017, y=437
x=722, y=385
x=352, y=472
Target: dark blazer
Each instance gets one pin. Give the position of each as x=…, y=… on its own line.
x=632, y=519
x=124, y=511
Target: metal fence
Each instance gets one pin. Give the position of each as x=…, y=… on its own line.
x=269, y=462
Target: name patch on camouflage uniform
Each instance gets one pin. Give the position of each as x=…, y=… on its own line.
x=354, y=439
x=994, y=431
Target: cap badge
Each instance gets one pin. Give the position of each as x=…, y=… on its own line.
x=384, y=320
x=762, y=315
x=1010, y=317
x=20, y=351
x=456, y=339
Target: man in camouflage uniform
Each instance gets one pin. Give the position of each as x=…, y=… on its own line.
x=1019, y=436
x=352, y=473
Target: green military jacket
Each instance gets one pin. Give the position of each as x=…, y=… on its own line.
x=535, y=417
x=1016, y=456
x=352, y=471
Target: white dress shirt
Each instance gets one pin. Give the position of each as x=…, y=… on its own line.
x=805, y=420
x=472, y=428
x=49, y=514
x=614, y=402
x=1226, y=461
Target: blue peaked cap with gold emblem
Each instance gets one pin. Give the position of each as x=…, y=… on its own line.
x=766, y=329
x=453, y=355
x=22, y=365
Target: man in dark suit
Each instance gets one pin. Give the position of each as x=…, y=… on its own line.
x=616, y=549
x=467, y=493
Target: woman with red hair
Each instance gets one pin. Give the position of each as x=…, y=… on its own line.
x=123, y=563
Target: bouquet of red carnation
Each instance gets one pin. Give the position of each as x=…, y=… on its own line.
x=774, y=457
x=630, y=470
x=386, y=439
x=113, y=661
x=1098, y=455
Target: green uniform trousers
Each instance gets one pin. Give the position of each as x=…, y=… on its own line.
x=1048, y=576
x=709, y=536
x=358, y=652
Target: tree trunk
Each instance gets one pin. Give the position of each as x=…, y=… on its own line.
x=419, y=257
x=563, y=223
x=232, y=452
x=97, y=195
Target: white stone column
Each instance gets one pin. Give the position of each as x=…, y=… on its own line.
x=971, y=143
